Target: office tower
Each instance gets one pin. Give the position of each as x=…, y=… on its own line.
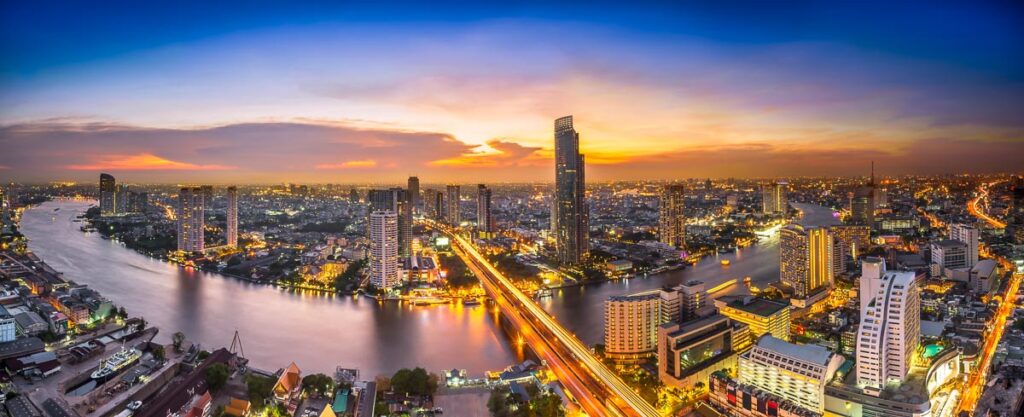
x=862, y=206
x=949, y=254
x=207, y=191
x=454, y=198
x=631, y=326
x=414, y=194
x=805, y=259
x=121, y=199
x=384, y=249
x=774, y=199
x=108, y=189
x=796, y=373
x=484, y=220
x=191, y=219
x=890, y=330
x=692, y=298
x=396, y=201
x=138, y=201
x=969, y=236
x=671, y=218
x=232, y=216
x=851, y=238
x=438, y=206
x=871, y=271
x=697, y=347
x=572, y=229
x=762, y=315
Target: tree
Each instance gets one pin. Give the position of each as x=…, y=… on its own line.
x=414, y=381
x=158, y=352
x=259, y=389
x=547, y=405
x=216, y=376
x=318, y=384
x=177, y=339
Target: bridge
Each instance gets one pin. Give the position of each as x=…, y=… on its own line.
x=598, y=390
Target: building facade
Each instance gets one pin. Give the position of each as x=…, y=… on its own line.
x=890, y=331
x=762, y=315
x=631, y=326
x=384, y=249
x=671, y=216
x=453, y=198
x=570, y=212
x=108, y=188
x=690, y=352
x=773, y=197
x=969, y=236
x=806, y=259
x=795, y=373
x=484, y=218
x=191, y=219
x=232, y=217
x=413, y=188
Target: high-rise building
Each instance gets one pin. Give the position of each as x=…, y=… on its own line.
x=207, y=191
x=862, y=206
x=805, y=259
x=796, y=373
x=108, y=189
x=454, y=198
x=138, y=201
x=438, y=206
x=949, y=254
x=671, y=217
x=396, y=201
x=890, y=331
x=871, y=271
x=383, y=249
x=969, y=235
x=484, y=219
x=852, y=238
x=191, y=219
x=121, y=194
x=773, y=197
x=631, y=325
x=232, y=217
x=571, y=223
x=414, y=194
x=688, y=352
x=693, y=297
x=1016, y=215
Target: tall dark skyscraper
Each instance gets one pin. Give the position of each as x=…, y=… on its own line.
x=671, y=217
x=232, y=217
x=862, y=206
x=1015, y=220
x=414, y=194
x=438, y=206
x=207, y=195
x=108, y=191
x=570, y=212
x=454, y=196
x=484, y=220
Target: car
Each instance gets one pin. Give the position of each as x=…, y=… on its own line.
x=134, y=405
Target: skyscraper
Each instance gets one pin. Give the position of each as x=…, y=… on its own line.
x=108, y=189
x=191, y=219
x=805, y=259
x=207, y=195
x=969, y=235
x=232, y=216
x=890, y=330
x=671, y=218
x=121, y=199
x=862, y=206
x=631, y=325
x=773, y=197
x=871, y=271
x=438, y=199
x=484, y=220
x=384, y=249
x=454, y=196
x=414, y=194
x=572, y=229
x=396, y=201
x=1016, y=215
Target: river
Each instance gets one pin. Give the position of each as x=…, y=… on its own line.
x=320, y=332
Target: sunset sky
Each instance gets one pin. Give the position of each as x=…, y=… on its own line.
x=223, y=92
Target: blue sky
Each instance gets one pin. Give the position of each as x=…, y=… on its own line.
x=658, y=90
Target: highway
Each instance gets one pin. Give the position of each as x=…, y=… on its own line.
x=977, y=379
x=599, y=391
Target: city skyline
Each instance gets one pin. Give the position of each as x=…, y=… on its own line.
x=664, y=93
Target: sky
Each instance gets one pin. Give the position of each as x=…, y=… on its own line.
x=253, y=92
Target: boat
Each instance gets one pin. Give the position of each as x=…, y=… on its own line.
x=471, y=302
x=725, y=262
x=116, y=363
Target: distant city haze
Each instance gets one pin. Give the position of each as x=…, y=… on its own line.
x=348, y=94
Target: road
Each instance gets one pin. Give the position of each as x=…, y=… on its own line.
x=599, y=391
x=977, y=379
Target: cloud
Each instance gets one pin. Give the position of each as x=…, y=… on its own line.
x=496, y=154
x=143, y=162
x=365, y=163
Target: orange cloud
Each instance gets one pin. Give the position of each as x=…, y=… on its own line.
x=362, y=163
x=144, y=162
x=496, y=153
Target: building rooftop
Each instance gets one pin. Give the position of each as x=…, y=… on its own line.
x=809, y=353
x=949, y=243
x=753, y=305
x=649, y=295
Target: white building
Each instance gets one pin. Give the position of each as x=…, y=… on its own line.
x=797, y=373
x=949, y=254
x=692, y=298
x=191, y=219
x=968, y=235
x=384, y=249
x=232, y=215
x=631, y=325
x=871, y=270
x=890, y=331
